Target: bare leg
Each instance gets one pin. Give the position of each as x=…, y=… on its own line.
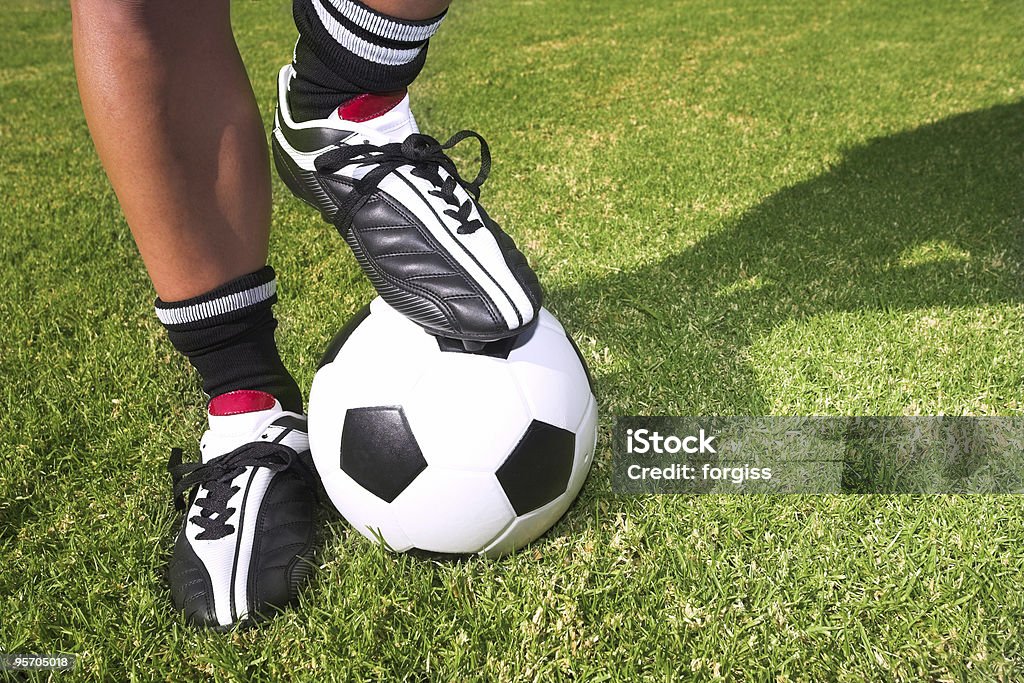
x=176, y=125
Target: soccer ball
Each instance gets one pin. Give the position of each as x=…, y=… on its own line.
x=424, y=446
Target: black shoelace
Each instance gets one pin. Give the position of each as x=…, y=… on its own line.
x=427, y=156
x=216, y=476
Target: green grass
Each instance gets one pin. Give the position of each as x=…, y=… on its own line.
x=737, y=208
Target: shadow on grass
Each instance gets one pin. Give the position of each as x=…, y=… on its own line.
x=928, y=217
x=924, y=218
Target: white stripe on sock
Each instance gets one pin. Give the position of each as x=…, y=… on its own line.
x=384, y=26
x=225, y=304
x=362, y=48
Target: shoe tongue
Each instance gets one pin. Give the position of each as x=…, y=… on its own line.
x=369, y=106
x=240, y=412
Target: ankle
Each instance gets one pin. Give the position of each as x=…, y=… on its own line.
x=227, y=334
x=351, y=50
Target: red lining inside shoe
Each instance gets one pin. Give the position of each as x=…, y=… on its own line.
x=369, y=106
x=239, y=402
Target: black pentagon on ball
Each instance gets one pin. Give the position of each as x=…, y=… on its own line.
x=538, y=469
x=379, y=451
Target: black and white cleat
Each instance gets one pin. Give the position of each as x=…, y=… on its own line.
x=414, y=223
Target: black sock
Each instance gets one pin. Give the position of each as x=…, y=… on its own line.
x=346, y=48
x=228, y=336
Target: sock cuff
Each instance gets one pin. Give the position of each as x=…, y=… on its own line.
x=227, y=302
x=384, y=26
x=346, y=48
x=380, y=40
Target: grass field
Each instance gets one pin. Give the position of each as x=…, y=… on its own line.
x=790, y=208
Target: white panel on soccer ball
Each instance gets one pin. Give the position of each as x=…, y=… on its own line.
x=368, y=514
x=360, y=386
x=586, y=442
x=448, y=511
x=551, y=378
x=385, y=351
x=466, y=412
x=545, y=319
x=328, y=401
x=527, y=528
x=355, y=382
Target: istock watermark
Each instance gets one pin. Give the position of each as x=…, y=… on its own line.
x=926, y=455
x=646, y=441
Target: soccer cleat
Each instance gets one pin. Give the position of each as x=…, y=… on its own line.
x=246, y=543
x=415, y=225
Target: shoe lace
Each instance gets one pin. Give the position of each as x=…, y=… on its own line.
x=216, y=476
x=427, y=156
